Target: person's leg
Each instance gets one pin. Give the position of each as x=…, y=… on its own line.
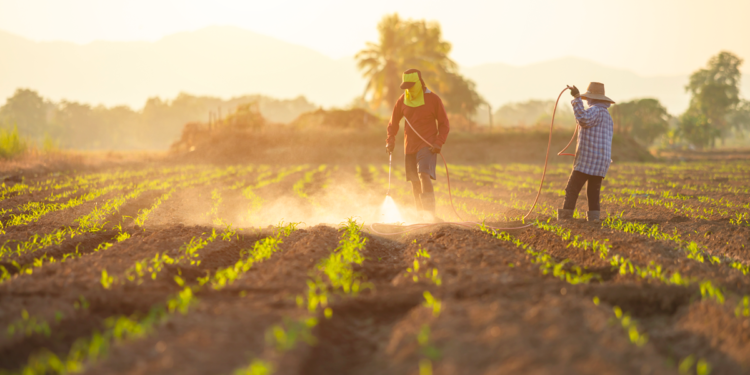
x=593, y=192
x=410, y=165
x=428, y=193
x=416, y=189
x=575, y=183
x=426, y=162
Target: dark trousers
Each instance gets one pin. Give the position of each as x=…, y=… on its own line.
x=575, y=183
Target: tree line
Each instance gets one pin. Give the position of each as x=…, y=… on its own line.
x=716, y=109
x=71, y=124
x=716, y=112
x=404, y=44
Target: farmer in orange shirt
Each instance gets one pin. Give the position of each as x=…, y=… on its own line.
x=425, y=112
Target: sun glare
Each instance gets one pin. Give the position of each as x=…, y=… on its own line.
x=389, y=211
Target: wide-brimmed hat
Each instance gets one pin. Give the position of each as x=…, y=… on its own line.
x=596, y=91
x=409, y=74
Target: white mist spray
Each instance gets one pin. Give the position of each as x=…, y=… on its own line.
x=389, y=213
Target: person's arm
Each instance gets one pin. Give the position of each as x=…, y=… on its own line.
x=393, y=126
x=586, y=118
x=444, y=126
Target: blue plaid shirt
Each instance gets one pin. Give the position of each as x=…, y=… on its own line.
x=594, y=148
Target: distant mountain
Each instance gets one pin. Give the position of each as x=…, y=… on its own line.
x=229, y=61
x=218, y=61
x=501, y=83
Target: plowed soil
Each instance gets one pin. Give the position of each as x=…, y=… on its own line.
x=502, y=310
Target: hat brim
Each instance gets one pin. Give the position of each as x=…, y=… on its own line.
x=589, y=95
x=407, y=85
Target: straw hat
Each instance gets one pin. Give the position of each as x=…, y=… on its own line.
x=596, y=91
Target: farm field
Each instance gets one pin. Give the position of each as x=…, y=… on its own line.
x=261, y=269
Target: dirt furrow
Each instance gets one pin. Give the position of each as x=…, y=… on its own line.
x=227, y=329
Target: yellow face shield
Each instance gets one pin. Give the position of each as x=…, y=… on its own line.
x=414, y=96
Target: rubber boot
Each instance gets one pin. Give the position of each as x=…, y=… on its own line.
x=593, y=217
x=428, y=202
x=564, y=214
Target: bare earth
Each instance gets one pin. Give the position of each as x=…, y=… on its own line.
x=665, y=297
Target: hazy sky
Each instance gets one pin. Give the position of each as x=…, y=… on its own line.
x=653, y=37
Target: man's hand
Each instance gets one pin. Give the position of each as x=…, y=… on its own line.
x=435, y=150
x=389, y=148
x=574, y=92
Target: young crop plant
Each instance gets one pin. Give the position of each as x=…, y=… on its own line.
x=651, y=271
x=692, y=249
x=702, y=367
x=188, y=252
x=87, y=223
x=740, y=219
x=33, y=211
x=337, y=269
x=216, y=200
x=282, y=338
x=256, y=202
x=93, y=222
x=743, y=307
x=261, y=251
x=90, y=223
x=29, y=325
x=630, y=326
x=338, y=266
x=420, y=261
x=300, y=187
x=143, y=213
x=116, y=329
x=122, y=328
x=427, y=350
x=565, y=234
x=257, y=367
x=50, y=184
x=280, y=176
x=547, y=264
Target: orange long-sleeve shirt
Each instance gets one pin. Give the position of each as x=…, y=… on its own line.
x=423, y=119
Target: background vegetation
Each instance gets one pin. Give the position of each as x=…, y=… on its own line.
x=418, y=44
x=155, y=126
x=717, y=109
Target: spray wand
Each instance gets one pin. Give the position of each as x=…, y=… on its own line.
x=390, y=162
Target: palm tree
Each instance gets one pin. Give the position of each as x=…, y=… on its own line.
x=403, y=44
x=381, y=62
x=428, y=51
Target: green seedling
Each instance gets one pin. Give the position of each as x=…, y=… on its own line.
x=28, y=325
x=547, y=264
x=432, y=303
x=284, y=337
x=743, y=307
x=256, y=367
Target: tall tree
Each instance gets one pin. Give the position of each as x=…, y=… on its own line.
x=382, y=62
x=715, y=94
x=642, y=119
x=458, y=93
x=27, y=110
x=405, y=44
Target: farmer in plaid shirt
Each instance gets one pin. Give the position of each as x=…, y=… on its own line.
x=593, y=151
